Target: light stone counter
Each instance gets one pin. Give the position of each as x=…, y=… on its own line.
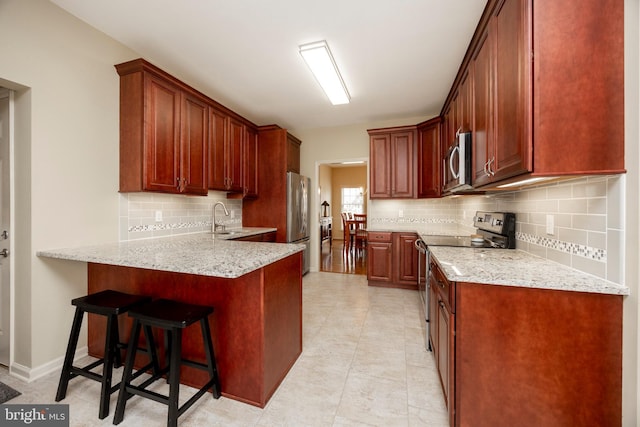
x=511, y=267
x=202, y=254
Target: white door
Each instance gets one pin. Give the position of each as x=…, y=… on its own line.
x=5, y=287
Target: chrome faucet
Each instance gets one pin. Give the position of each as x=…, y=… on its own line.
x=215, y=225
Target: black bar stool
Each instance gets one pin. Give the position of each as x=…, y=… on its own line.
x=172, y=317
x=110, y=304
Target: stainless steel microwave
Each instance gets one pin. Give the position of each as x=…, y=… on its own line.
x=456, y=164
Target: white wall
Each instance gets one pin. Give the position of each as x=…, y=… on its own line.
x=66, y=163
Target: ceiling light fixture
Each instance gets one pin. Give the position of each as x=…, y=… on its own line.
x=319, y=59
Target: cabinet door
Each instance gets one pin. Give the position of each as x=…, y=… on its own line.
x=482, y=75
x=433, y=317
x=443, y=349
x=194, y=134
x=217, y=138
x=233, y=154
x=162, y=142
x=379, y=267
x=512, y=152
x=380, y=172
x=293, y=154
x=429, y=161
x=448, y=135
x=402, y=159
x=407, y=262
x=463, y=104
x=250, y=164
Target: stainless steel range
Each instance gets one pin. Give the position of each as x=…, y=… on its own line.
x=494, y=230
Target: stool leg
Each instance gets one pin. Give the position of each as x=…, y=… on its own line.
x=126, y=375
x=174, y=376
x=117, y=357
x=110, y=348
x=65, y=376
x=151, y=350
x=211, y=358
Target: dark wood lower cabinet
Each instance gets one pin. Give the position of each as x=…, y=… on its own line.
x=511, y=356
x=392, y=260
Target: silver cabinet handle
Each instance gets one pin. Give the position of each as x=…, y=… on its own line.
x=4, y=253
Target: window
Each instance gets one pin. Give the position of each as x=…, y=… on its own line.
x=352, y=199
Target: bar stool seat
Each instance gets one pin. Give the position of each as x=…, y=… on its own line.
x=172, y=317
x=107, y=303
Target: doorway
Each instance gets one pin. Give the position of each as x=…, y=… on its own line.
x=6, y=126
x=338, y=182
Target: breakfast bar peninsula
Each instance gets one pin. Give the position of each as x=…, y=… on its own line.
x=254, y=287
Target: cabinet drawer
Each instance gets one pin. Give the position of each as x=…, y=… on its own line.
x=443, y=286
x=379, y=236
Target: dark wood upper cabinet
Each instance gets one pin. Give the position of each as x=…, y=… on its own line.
x=392, y=154
x=174, y=139
x=163, y=132
x=547, y=87
x=429, y=161
x=578, y=86
x=225, y=152
x=194, y=136
x=250, y=163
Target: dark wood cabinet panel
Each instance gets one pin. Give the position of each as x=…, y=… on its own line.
x=379, y=261
x=234, y=155
x=482, y=125
x=392, y=259
x=194, y=137
x=402, y=161
x=392, y=157
x=578, y=87
x=293, y=154
x=407, y=258
x=225, y=152
x=429, y=159
x=512, y=144
x=250, y=164
x=162, y=145
x=380, y=166
x=217, y=159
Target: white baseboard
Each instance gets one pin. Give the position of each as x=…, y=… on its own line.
x=27, y=374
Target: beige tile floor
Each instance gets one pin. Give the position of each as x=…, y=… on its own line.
x=363, y=364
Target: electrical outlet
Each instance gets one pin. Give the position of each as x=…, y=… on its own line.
x=400, y=213
x=549, y=224
x=158, y=216
x=232, y=213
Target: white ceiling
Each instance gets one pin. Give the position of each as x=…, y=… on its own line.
x=398, y=58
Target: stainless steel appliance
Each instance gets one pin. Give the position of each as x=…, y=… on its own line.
x=494, y=230
x=456, y=164
x=298, y=208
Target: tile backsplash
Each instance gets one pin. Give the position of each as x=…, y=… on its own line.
x=587, y=215
x=178, y=214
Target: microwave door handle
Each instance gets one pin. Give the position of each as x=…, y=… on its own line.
x=455, y=174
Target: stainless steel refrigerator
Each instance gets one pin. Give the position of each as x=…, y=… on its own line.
x=298, y=208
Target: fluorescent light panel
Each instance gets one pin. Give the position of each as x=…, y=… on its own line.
x=319, y=59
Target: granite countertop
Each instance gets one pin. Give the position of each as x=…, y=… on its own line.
x=512, y=267
x=203, y=253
